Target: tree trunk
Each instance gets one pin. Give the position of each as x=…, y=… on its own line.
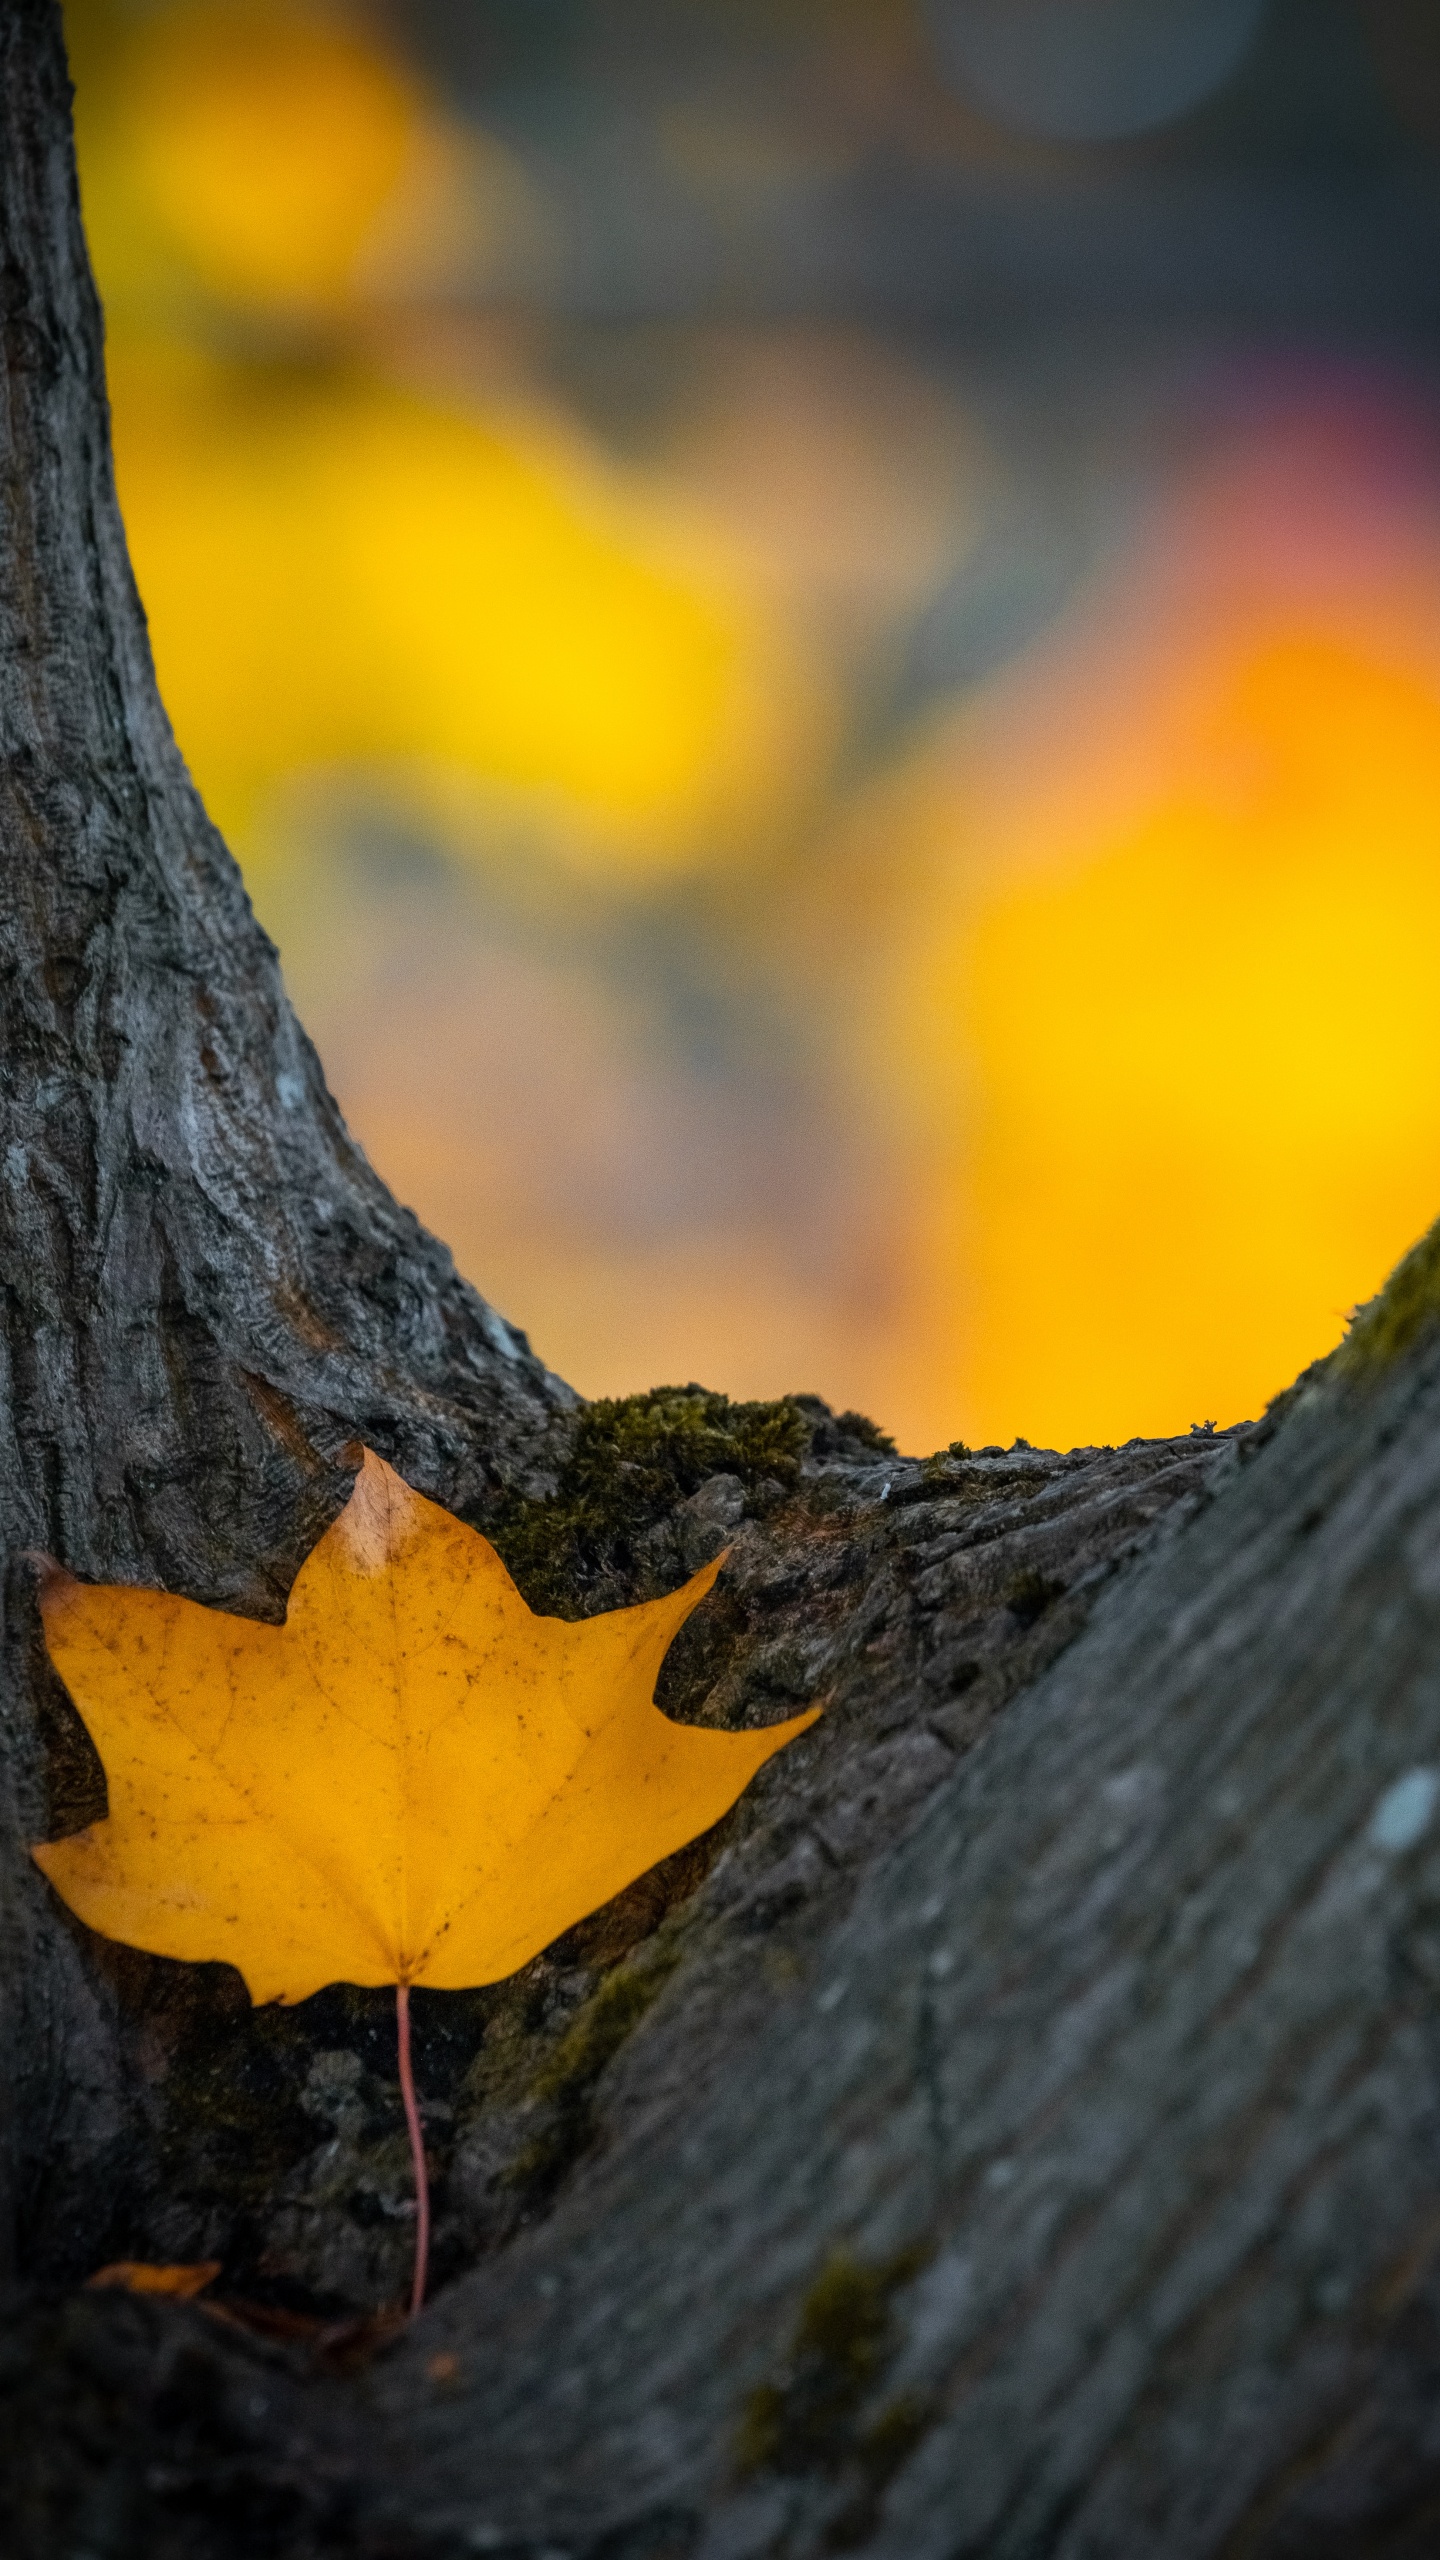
x=207, y=1292
x=1014, y=2132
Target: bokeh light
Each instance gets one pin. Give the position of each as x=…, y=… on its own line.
x=339, y=573
x=819, y=631
x=268, y=144
x=1092, y=70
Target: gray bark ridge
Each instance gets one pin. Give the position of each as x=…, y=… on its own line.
x=206, y=1292
x=1079, y=2194
x=1021, y=2143
x=192, y=1243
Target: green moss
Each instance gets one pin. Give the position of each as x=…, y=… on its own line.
x=546, y=2161
x=632, y=1460
x=858, y=1426
x=880, y=2449
x=844, y=2320
x=941, y=1468
x=891, y=2438
x=843, y=2336
x=1407, y=1307
x=565, y=2084
x=762, y=2442
x=1030, y=1595
x=611, y=2015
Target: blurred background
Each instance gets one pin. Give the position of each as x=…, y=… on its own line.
x=817, y=624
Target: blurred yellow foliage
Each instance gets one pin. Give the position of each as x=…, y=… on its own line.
x=344, y=572
x=1120, y=981
x=340, y=573
x=267, y=137
x=1191, y=1050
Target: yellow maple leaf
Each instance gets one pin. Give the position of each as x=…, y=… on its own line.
x=414, y=1780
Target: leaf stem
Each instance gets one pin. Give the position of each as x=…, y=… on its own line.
x=417, y=2148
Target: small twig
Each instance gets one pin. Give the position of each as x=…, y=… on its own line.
x=417, y=2149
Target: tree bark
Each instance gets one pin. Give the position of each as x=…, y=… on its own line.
x=1015, y=2131
x=207, y=1292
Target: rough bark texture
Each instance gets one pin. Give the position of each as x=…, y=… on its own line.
x=206, y=1291
x=1119, y=2077
x=1025, y=2138
x=1014, y=2132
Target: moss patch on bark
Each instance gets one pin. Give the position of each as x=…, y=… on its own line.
x=632, y=1460
x=1407, y=1308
